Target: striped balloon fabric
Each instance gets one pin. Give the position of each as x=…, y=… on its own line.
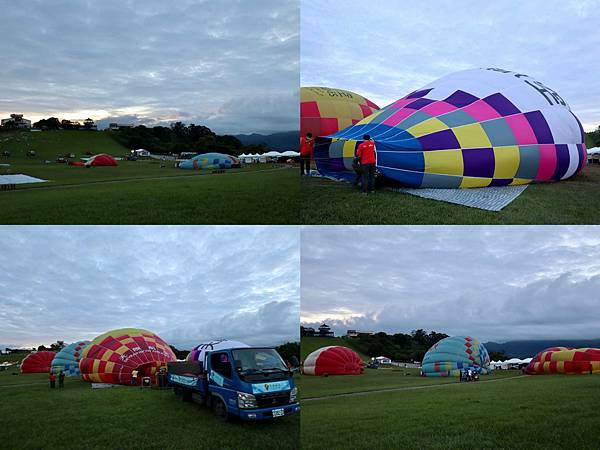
x=324, y=111
x=333, y=360
x=113, y=356
x=447, y=357
x=67, y=360
x=565, y=360
x=473, y=128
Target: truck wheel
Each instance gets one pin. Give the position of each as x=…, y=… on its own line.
x=186, y=395
x=219, y=409
x=176, y=390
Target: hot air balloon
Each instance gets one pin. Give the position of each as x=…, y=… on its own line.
x=112, y=356
x=565, y=360
x=101, y=160
x=473, y=128
x=210, y=161
x=333, y=360
x=198, y=352
x=324, y=111
x=37, y=362
x=450, y=355
x=68, y=358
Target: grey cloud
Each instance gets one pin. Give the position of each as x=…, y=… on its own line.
x=164, y=59
x=188, y=284
x=497, y=283
x=392, y=48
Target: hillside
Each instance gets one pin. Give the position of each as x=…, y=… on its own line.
x=286, y=140
x=526, y=349
x=310, y=344
x=51, y=144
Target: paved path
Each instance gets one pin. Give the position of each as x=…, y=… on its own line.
x=129, y=180
x=399, y=389
x=20, y=385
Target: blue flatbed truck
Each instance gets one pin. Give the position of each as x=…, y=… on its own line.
x=250, y=383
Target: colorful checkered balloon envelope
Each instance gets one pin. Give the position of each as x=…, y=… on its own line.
x=565, y=360
x=324, y=111
x=448, y=356
x=473, y=128
x=68, y=358
x=113, y=356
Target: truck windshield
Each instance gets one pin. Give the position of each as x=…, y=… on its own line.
x=248, y=360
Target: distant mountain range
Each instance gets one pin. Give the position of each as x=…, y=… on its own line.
x=285, y=140
x=526, y=349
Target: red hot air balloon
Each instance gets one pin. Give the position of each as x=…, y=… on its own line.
x=333, y=360
x=37, y=362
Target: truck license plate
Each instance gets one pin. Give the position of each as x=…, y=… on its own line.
x=278, y=412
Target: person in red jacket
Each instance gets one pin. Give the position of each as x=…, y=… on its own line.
x=368, y=158
x=306, y=152
x=52, y=379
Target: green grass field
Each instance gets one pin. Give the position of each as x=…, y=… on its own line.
x=573, y=201
x=34, y=416
x=529, y=412
x=137, y=192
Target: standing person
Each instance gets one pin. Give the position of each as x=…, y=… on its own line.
x=61, y=379
x=134, y=375
x=52, y=379
x=368, y=158
x=306, y=153
x=357, y=170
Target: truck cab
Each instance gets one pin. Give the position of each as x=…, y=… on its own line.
x=251, y=383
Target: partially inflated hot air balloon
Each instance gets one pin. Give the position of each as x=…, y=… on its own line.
x=565, y=360
x=450, y=355
x=197, y=354
x=37, y=362
x=112, y=356
x=333, y=360
x=209, y=161
x=101, y=160
x=324, y=111
x=68, y=358
x=473, y=128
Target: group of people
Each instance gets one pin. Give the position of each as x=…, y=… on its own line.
x=364, y=163
x=61, y=380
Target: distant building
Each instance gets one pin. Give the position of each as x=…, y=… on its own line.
x=325, y=331
x=356, y=333
x=118, y=126
x=16, y=121
x=307, y=331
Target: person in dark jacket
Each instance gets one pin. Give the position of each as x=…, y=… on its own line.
x=52, y=379
x=61, y=379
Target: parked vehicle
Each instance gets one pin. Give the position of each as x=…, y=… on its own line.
x=251, y=383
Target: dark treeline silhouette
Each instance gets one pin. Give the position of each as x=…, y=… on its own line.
x=177, y=138
x=399, y=346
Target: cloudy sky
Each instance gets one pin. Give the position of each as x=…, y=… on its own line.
x=495, y=283
x=385, y=49
x=232, y=65
x=187, y=284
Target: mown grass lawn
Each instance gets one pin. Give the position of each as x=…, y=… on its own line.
x=32, y=416
x=573, y=201
x=137, y=192
x=535, y=412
